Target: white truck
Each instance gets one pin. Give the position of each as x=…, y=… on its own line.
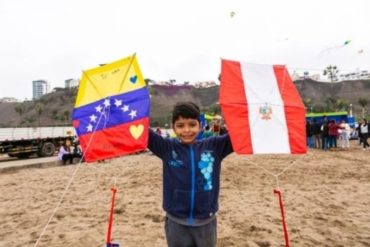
x=42, y=141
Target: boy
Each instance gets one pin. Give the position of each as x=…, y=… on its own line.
x=191, y=179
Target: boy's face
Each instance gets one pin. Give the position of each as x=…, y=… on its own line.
x=186, y=129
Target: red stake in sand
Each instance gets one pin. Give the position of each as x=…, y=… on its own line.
x=283, y=218
x=109, y=234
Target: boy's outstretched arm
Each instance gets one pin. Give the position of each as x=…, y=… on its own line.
x=223, y=145
x=157, y=144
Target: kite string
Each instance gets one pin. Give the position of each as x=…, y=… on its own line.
x=278, y=191
x=59, y=203
x=67, y=187
x=277, y=175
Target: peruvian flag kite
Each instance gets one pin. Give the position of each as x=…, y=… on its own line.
x=111, y=114
x=263, y=110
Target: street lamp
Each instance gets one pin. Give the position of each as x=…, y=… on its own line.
x=350, y=110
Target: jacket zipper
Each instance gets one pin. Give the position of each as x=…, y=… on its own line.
x=192, y=194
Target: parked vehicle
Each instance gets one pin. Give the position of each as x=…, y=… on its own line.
x=42, y=141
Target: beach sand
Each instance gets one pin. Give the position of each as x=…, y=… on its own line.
x=326, y=197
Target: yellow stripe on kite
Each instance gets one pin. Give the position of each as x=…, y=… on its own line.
x=110, y=79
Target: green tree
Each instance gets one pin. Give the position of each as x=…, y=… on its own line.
x=212, y=109
x=308, y=104
x=30, y=120
x=341, y=105
x=39, y=111
x=318, y=108
x=20, y=109
x=66, y=116
x=54, y=116
x=363, y=103
x=331, y=72
x=330, y=104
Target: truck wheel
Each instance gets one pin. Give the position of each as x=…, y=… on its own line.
x=47, y=149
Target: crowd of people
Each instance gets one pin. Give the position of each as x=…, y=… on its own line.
x=329, y=134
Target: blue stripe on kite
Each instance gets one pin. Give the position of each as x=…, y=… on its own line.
x=124, y=108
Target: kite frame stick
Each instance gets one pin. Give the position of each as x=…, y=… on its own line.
x=92, y=83
x=109, y=233
x=129, y=67
x=283, y=217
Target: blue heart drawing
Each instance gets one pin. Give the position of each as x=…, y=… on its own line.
x=133, y=79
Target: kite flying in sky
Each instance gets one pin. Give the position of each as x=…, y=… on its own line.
x=347, y=42
x=111, y=114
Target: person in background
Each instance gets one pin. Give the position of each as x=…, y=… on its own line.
x=77, y=150
x=316, y=133
x=216, y=128
x=324, y=135
x=207, y=132
x=364, y=129
x=223, y=129
x=359, y=133
x=65, y=154
x=345, y=133
x=158, y=131
x=309, y=134
x=333, y=133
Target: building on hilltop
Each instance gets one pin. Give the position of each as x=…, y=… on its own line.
x=357, y=75
x=205, y=84
x=8, y=100
x=306, y=75
x=39, y=88
x=71, y=83
x=172, y=82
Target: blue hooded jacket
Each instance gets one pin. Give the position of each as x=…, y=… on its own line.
x=191, y=174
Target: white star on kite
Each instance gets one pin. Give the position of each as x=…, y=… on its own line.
x=117, y=102
x=132, y=114
x=93, y=118
x=98, y=108
x=106, y=103
x=89, y=128
x=125, y=108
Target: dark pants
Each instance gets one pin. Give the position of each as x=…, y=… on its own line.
x=364, y=139
x=187, y=236
x=325, y=142
x=67, y=157
x=332, y=141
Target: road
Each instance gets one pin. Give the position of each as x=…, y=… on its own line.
x=11, y=164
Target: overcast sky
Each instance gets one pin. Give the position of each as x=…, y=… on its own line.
x=173, y=39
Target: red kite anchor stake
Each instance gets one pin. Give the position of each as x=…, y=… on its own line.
x=109, y=234
x=283, y=218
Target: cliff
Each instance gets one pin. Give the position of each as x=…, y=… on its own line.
x=55, y=109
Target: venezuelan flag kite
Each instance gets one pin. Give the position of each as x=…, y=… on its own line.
x=111, y=114
x=263, y=110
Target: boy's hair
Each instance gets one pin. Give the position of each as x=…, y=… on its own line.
x=186, y=110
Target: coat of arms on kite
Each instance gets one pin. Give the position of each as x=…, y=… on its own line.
x=266, y=111
x=111, y=114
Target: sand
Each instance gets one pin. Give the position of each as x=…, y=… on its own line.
x=326, y=197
